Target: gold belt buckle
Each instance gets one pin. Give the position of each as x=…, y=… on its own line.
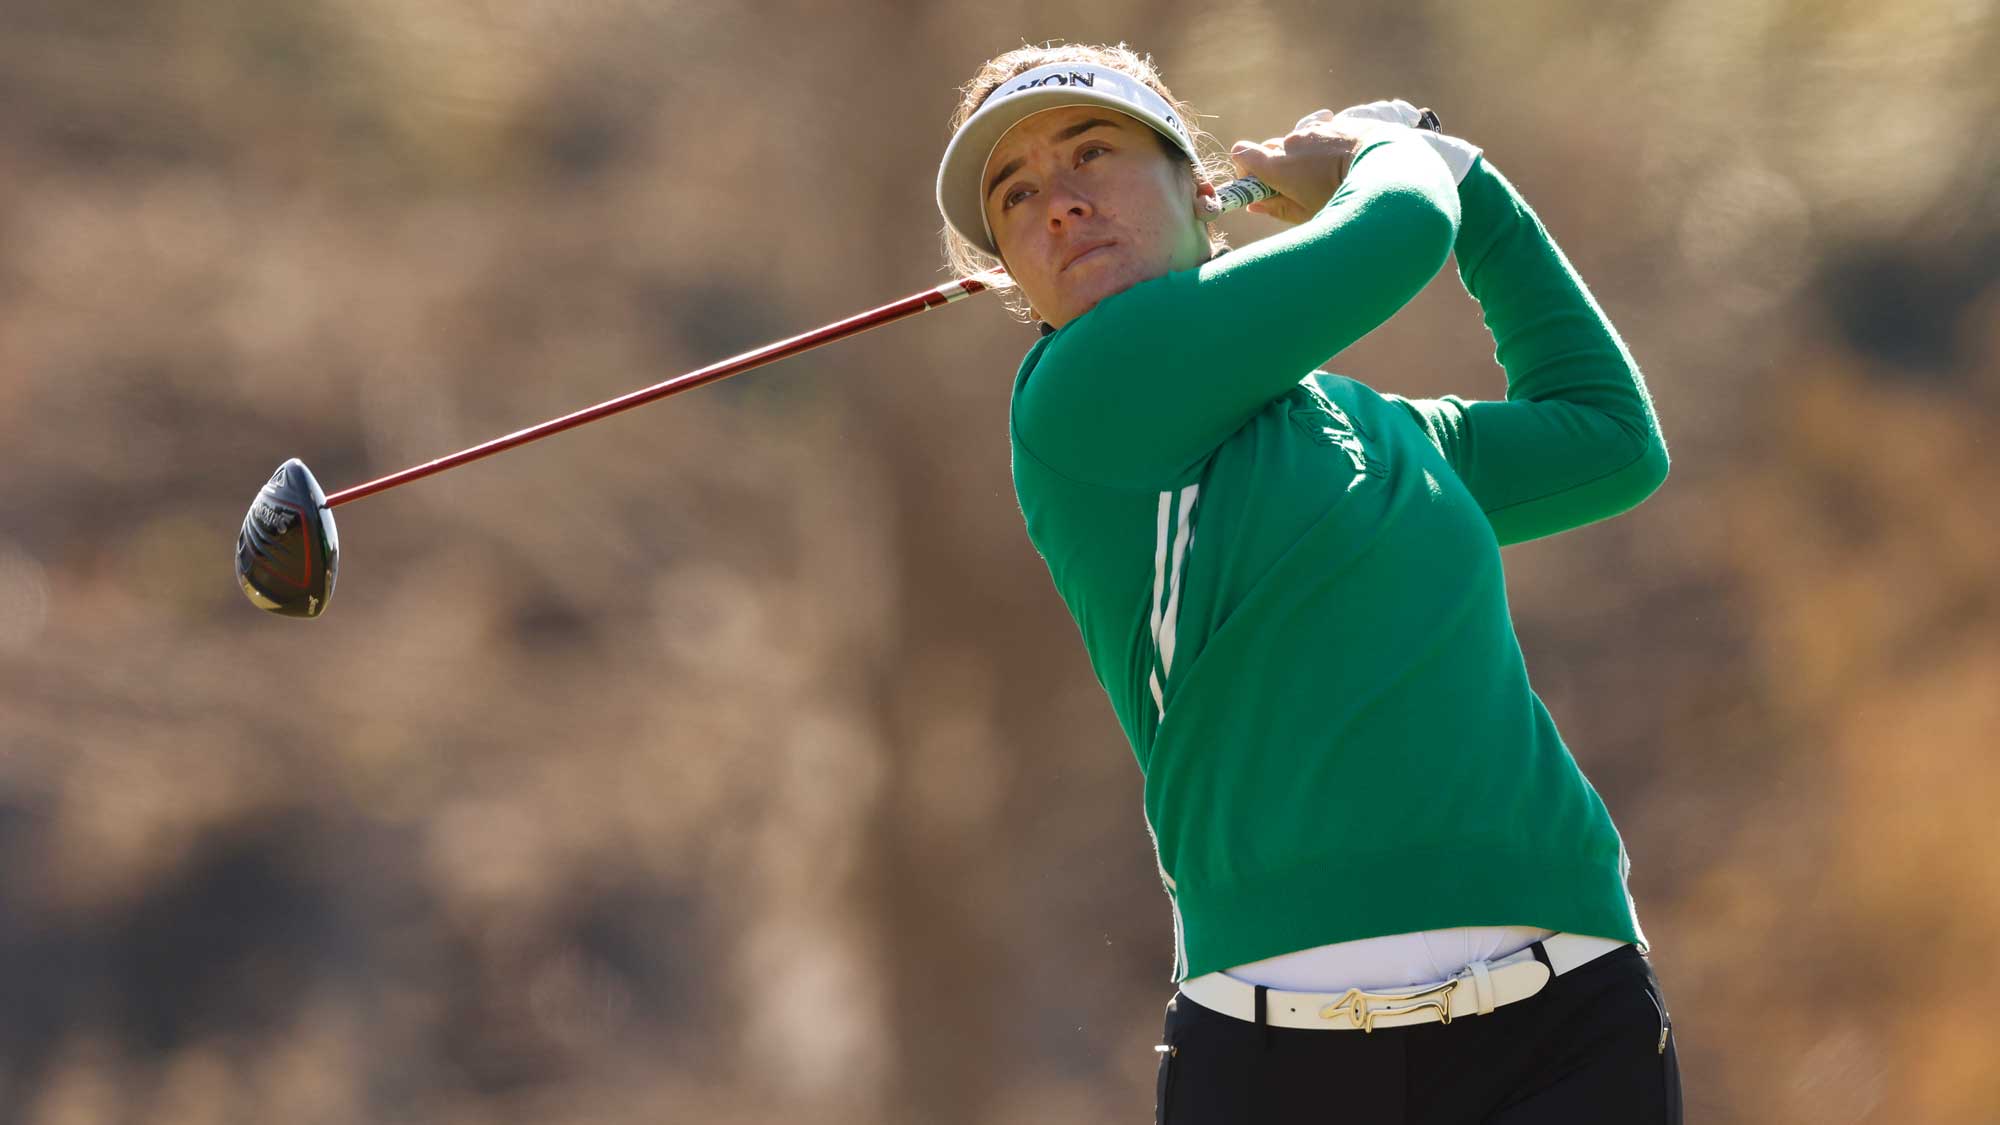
x=1354, y=1005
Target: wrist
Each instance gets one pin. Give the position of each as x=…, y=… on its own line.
x=1459, y=155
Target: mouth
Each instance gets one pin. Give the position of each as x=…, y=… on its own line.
x=1085, y=251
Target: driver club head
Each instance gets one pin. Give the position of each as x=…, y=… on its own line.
x=288, y=551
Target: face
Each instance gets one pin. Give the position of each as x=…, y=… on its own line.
x=1085, y=202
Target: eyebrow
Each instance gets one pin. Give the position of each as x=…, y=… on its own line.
x=1014, y=165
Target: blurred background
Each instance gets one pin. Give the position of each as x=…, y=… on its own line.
x=735, y=761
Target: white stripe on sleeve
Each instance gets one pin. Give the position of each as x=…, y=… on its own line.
x=1171, y=620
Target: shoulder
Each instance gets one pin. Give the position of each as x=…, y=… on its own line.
x=1348, y=392
x=1435, y=419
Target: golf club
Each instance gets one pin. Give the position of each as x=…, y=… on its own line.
x=288, y=551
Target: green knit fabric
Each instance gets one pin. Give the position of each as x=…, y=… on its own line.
x=1290, y=586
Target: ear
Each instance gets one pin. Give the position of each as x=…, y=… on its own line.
x=1206, y=207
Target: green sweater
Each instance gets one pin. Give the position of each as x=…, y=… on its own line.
x=1291, y=587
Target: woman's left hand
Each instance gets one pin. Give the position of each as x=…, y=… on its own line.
x=1458, y=154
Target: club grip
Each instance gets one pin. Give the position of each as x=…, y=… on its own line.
x=1241, y=193
x=1250, y=189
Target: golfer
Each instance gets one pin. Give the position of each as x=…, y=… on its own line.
x=1395, y=896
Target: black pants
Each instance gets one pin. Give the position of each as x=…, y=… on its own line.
x=1594, y=1045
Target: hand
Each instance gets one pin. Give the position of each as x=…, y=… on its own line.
x=1395, y=111
x=1304, y=166
x=1458, y=155
x=1351, y=128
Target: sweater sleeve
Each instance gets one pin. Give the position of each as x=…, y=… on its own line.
x=1141, y=389
x=1576, y=439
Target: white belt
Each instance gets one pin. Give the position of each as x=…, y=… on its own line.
x=1475, y=990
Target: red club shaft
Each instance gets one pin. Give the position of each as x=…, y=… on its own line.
x=769, y=353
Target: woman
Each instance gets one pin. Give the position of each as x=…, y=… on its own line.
x=1395, y=896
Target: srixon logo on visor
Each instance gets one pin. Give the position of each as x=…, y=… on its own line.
x=1088, y=80
x=1073, y=78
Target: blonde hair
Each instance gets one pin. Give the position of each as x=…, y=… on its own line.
x=961, y=256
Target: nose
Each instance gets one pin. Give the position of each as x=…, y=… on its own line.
x=1066, y=203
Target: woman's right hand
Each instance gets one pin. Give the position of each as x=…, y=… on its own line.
x=1306, y=165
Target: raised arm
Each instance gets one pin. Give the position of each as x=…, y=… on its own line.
x=1576, y=439
x=1137, y=392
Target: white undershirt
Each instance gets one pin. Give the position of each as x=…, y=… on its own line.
x=1394, y=961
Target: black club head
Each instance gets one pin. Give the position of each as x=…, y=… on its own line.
x=288, y=552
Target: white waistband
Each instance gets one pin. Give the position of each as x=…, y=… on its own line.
x=1477, y=989
x=1391, y=961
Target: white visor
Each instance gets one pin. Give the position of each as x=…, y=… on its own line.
x=962, y=197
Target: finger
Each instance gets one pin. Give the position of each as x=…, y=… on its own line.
x=1282, y=208
x=1249, y=157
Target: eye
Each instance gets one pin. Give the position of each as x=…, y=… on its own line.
x=1089, y=151
x=1013, y=196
